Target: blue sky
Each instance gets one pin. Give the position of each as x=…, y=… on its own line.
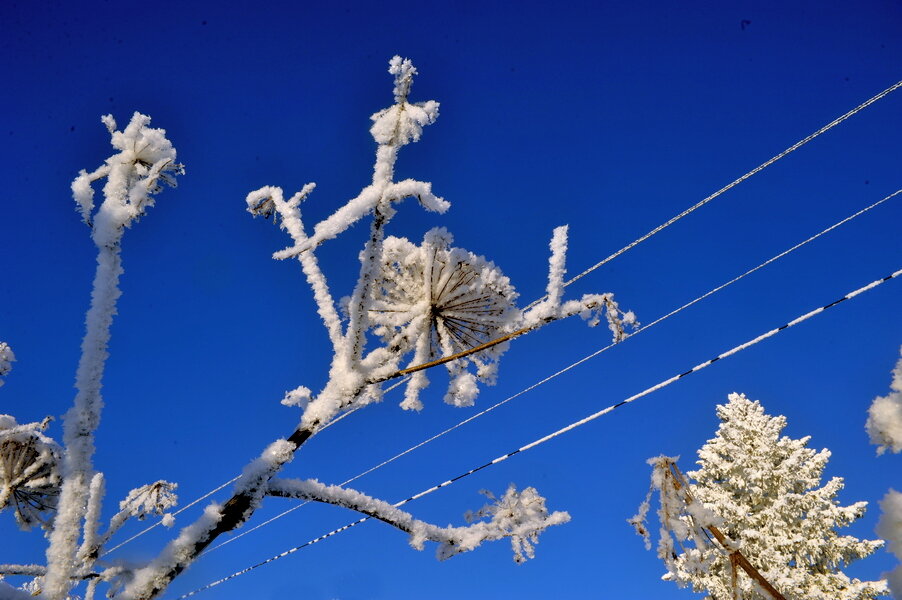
x=610, y=118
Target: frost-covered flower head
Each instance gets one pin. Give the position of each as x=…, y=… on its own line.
x=145, y=160
x=151, y=499
x=521, y=516
x=29, y=471
x=403, y=122
x=437, y=301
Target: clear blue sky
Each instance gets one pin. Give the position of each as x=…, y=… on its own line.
x=610, y=118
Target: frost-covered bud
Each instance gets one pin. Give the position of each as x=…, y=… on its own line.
x=260, y=203
x=145, y=160
x=152, y=499
x=29, y=471
x=403, y=122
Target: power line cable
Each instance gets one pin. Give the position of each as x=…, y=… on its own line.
x=567, y=368
x=735, y=182
x=566, y=429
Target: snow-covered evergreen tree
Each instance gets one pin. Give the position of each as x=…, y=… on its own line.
x=765, y=492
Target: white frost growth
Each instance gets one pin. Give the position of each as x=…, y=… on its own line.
x=146, y=159
x=403, y=122
x=884, y=424
x=299, y=396
x=393, y=128
x=890, y=528
x=255, y=475
x=520, y=516
x=6, y=360
x=29, y=472
x=590, y=307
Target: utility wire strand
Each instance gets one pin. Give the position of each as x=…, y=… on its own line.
x=673, y=220
x=734, y=183
x=569, y=367
x=568, y=428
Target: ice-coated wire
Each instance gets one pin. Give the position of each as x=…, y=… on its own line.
x=566, y=429
x=565, y=369
x=734, y=183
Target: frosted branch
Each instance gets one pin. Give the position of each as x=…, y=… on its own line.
x=144, y=160
x=28, y=570
x=91, y=541
x=518, y=516
x=268, y=201
x=590, y=307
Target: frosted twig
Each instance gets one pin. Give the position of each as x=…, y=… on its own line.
x=519, y=516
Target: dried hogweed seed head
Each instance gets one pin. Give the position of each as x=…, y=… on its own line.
x=29, y=472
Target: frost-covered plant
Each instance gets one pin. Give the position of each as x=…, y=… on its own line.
x=764, y=488
x=7, y=358
x=29, y=472
x=145, y=160
x=413, y=307
x=884, y=423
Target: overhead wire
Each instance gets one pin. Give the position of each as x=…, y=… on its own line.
x=571, y=366
x=567, y=428
x=735, y=182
